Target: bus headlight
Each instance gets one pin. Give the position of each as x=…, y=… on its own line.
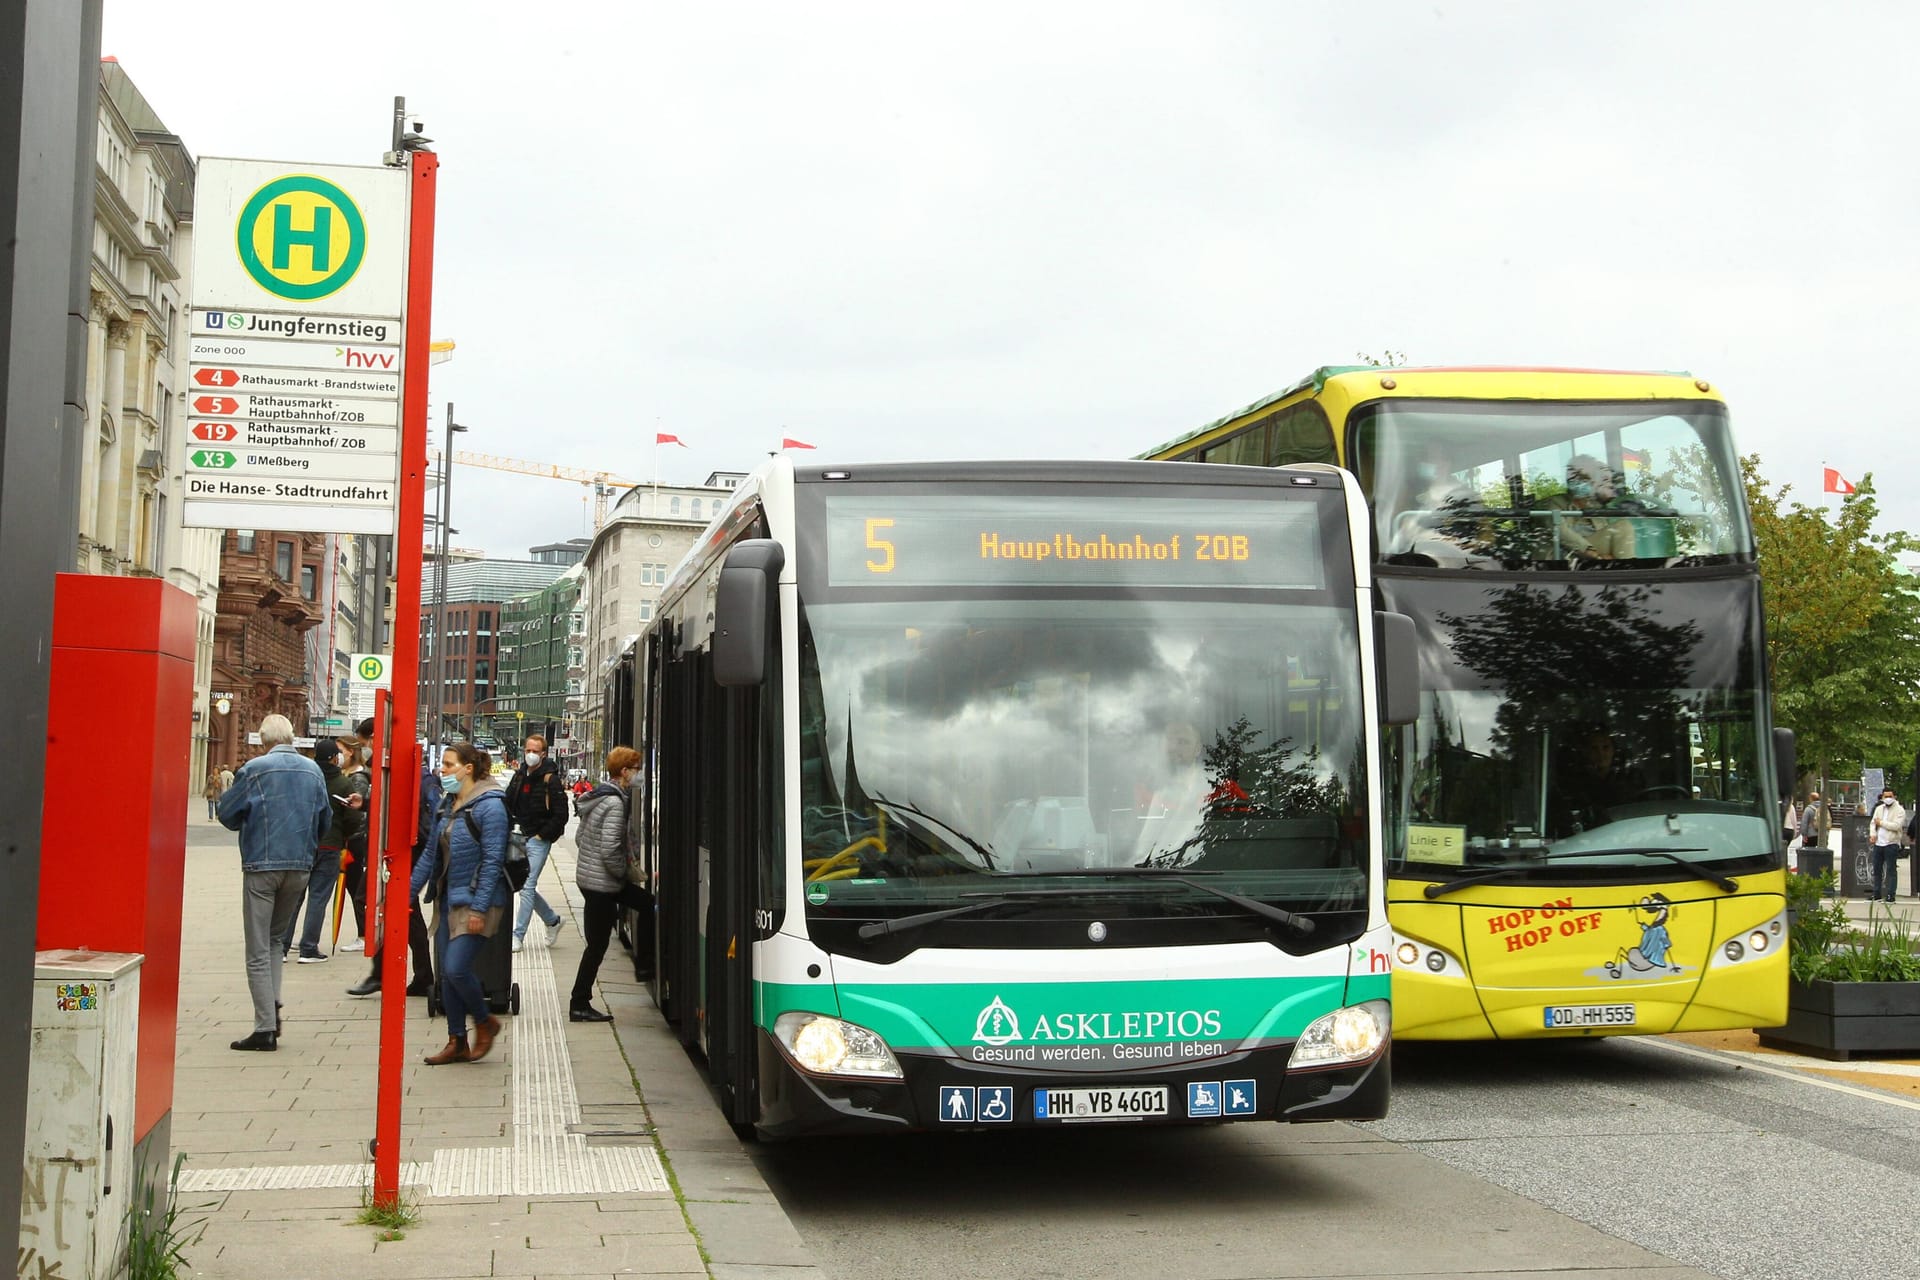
x=1352, y=1034
x=829, y=1047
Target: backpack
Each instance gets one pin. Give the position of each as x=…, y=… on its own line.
x=516, y=867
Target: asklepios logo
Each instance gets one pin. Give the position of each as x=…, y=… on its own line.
x=997, y=1024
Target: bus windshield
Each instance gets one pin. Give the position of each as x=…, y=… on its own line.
x=1516, y=484
x=1580, y=730
x=963, y=746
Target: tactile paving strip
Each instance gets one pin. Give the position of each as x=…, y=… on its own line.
x=546, y=1158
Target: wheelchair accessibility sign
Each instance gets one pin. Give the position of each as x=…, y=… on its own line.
x=987, y=1104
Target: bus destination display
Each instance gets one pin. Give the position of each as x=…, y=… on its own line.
x=883, y=539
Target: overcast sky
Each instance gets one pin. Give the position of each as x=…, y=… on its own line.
x=1074, y=230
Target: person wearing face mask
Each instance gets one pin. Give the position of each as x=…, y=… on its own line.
x=606, y=879
x=537, y=799
x=1582, y=534
x=466, y=865
x=1888, y=823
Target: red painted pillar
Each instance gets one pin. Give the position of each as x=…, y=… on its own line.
x=114, y=829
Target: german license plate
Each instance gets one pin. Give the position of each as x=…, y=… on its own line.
x=1100, y=1104
x=1589, y=1015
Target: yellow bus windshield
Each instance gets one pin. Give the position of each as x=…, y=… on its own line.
x=1493, y=484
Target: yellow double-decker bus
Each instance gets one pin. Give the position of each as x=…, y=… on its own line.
x=1583, y=826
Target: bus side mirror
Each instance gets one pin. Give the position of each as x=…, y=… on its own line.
x=1399, y=663
x=1786, y=768
x=742, y=612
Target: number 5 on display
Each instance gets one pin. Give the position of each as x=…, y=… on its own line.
x=885, y=563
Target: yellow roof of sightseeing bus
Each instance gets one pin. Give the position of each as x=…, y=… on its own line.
x=1341, y=387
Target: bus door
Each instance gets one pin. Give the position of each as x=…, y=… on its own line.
x=677, y=765
x=738, y=828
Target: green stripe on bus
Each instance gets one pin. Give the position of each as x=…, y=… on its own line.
x=957, y=1015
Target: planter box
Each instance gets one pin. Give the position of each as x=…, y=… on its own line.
x=1840, y=1019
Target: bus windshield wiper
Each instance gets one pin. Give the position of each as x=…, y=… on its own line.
x=1298, y=923
x=981, y=902
x=1514, y=869
x=1671, y=855
x=985, y=853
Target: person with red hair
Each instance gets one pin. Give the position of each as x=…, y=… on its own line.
x=605, y=874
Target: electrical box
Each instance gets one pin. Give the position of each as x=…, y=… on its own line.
x=77, y=1178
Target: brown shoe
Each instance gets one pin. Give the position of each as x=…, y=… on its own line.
x=456, y=1051
x=483, y=1036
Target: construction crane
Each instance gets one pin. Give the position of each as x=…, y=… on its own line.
x=602, y=483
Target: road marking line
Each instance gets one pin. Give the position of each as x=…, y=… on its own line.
x=1835, y=1086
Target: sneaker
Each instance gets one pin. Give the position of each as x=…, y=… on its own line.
x=316, y=958
x=553, y=932
x=354, y=944
x=518, y=942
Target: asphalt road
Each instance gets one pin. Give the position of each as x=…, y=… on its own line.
x=1613, y=1159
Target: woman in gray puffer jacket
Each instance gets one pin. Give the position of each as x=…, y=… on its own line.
x=601, y=871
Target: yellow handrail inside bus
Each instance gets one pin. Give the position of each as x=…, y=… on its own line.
x=831, y=868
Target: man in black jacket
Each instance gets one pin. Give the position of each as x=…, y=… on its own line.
x=349, y=799
x=417, y=940
x=537, y=802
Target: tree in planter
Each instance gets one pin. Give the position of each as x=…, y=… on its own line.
x=1843, y=626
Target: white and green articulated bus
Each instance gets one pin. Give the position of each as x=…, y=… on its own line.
x=1021, y=794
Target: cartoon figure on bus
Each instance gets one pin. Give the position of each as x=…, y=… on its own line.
x=1651, y=956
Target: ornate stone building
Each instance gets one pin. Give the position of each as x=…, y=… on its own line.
x=270, y=598
x=131, y=472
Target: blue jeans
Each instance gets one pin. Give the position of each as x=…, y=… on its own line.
x=460, y=989
x=1886, y=871
x=321, y=882
x=530, y=899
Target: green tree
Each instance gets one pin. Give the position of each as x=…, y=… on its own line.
x=1843, y=629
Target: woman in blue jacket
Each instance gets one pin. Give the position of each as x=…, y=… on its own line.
x=470, y=893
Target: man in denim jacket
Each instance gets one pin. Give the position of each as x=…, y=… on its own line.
x=279, y=804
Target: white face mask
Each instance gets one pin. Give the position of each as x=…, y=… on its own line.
x=533, y=759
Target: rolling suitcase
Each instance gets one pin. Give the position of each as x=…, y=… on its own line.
x=493, y=966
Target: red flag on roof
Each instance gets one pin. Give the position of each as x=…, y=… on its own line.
x=1837, y=483
x=788, y=442
x=663, y=438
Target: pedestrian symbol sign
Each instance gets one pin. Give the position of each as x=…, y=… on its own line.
x=956, y=1103
x=301, y=237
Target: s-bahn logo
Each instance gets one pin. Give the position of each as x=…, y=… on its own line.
x=997, y=1024
x=301, y=237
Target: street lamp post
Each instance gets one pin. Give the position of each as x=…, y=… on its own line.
x=444, y=535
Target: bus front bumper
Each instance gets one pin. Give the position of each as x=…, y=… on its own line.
x=1251, y=1085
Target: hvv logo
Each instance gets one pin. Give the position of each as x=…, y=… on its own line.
x=365, y=359
x=1375, y=961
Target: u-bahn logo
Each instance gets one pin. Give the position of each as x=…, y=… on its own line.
x=301, y=237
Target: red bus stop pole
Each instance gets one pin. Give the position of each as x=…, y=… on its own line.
x=403, y=752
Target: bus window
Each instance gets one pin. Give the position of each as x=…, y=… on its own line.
x=1300, y=433
x=1461, y=484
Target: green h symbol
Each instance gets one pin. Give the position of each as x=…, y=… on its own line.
x=317, y=238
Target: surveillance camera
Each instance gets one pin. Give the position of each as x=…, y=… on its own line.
x=417, y=126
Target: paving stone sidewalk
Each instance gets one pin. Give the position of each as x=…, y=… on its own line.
x=544, y=1160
